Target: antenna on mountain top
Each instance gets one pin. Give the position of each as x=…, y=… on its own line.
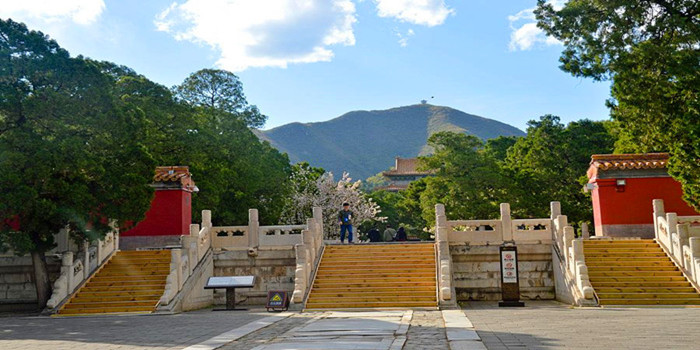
x=425, y=102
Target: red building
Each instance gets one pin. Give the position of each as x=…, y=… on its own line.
x=623, y=187
x=170, y=214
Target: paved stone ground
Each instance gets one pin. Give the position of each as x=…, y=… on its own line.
x=266, y=334
x=427, y=332
x=135, y=332
x=551, y=325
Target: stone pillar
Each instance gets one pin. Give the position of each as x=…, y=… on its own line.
x=206, y=218
x=176, y=260
x=506, y=222
x=98, y=251
x=441, y=228
x=67, y=269
x=86, y=249
x=555, y=208
x=584, y=231
x=658, y=205
x=318, y=216
x=194, y=230
x=569, y=236
x=253, y=229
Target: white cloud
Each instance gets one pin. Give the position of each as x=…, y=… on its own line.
x=82, y=12
x=423, y=12
x=403, y=38
x=262, y=33
x=525, y=33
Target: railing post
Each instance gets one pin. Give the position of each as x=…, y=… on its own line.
x=176, y=257
x=98, y=252
x=441, y=228
x=206, y=218
x=506, y=222
x=67, y=269
x=658, y=205
x=584, y=231
x=253, y=229
x=318, y=216
x=555, y=208
x=569, y=236
x=86, y=249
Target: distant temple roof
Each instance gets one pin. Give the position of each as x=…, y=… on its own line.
x=405, y=166
x=642, y=161
x=179, y=175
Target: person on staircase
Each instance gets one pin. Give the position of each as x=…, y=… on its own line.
x=389, y=234
x=345, y=220
x=401, y=235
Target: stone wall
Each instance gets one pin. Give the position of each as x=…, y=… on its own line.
x=17, y=290
x=273, y=266
x=476, y=271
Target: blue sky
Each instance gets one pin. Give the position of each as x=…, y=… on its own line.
x=312, y=60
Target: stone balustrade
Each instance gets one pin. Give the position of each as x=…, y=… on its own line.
x=305, y=240
x=497, y=231
x=679, y=236
x=75, y=271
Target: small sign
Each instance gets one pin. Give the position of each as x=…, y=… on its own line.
x=510, y=287
x=277, y=299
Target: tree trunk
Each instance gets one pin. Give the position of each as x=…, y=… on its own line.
x=41, y=279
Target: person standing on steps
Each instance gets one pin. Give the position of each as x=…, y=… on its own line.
x=345, y=220
x=389, y=234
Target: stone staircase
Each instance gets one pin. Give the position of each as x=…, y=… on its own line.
x=131, y=281
x=636, y=272
x=375, y=276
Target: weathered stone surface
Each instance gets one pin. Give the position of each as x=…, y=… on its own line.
x=476, y=272
x=274, y=269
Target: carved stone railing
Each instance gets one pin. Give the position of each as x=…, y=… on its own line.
x=444, y=258
x=497, y=231
x=307, y=253
x=75, y=271
x=679, y=236
x=568, y=253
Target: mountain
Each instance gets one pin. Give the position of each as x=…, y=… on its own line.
x=365, y=143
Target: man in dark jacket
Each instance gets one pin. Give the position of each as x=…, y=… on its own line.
x=345, y=219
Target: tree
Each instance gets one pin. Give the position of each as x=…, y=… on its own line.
x=650, y=51
x=70, y=158
x=329, y=195
x=550, y=163
x=467, y=179
x=220, y=93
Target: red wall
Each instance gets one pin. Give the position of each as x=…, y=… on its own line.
x=170, y=214
x=633, y=206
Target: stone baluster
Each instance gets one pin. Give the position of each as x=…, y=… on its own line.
x=506, y=223
x=176, y=262
x=694, y=243
x=86, y=251
x=585, y=234
x=671, y=221
x=206, y=218
x=569, y=235
x=658, y=205
x=67, y=270
x=253, y=229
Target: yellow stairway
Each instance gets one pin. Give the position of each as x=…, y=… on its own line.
x=636, y=272
x=375, y=276
x=131, y=281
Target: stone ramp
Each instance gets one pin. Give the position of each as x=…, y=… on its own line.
x=375, y=276
x=132, y=281
x=636, y=272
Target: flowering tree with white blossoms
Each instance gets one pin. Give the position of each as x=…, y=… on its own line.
x=328, y=194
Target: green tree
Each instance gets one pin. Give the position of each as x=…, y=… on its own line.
x=219, y=92
x=467, y=179
x=650, y=51
x=549, y=163
x=69, y=157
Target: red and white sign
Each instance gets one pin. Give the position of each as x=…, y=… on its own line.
x=510, y=271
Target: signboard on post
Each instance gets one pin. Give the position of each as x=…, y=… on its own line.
x=230, y=283
x=510, y=287
x=277, y=299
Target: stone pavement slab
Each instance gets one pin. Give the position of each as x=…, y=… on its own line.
x=552, y=325
x=123, y=332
